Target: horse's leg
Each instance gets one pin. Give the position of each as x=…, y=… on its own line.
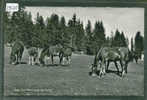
x=107, y=66
x=126, y=68
x=123, y=68
x=100, y=73
x=45, y=60
x=19, y=60
x=29, y=60
x=94, y=70
x=116, y=67
x=60, y=58
x=52, y=58
x=104, y=68
x=16, y=59
x=63, y=60
x=32, y=60
x=35, y=58
x=101, y=68
x=69, y=59
x=136, y=60
x=20, y=57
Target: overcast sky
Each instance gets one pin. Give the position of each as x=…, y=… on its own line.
x=128, y=20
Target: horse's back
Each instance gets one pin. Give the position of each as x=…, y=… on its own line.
x=110, y=53
x=68, y=52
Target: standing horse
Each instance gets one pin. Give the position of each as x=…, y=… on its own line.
x=33, y=54
x=66, y=53
x=50, y=52
x=16, y=52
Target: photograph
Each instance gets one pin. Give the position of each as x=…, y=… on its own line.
x=74, y=51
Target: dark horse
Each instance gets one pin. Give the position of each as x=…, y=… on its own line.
x=66, y=52
x=50, y=51
x=16, y=52
x=106, y=55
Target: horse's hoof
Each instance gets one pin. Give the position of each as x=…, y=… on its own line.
x=100, y=76
x=13, y=63
x=93, y=74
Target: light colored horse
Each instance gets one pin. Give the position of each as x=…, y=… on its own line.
x=33, y=54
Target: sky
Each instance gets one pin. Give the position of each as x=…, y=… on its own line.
x=128, y=20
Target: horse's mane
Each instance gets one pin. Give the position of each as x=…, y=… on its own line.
x=97, y=55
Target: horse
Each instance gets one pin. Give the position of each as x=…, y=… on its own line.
x=66, y=52
x=107, y=55
x=50, y=51
x=33, y=54
x=16, y=53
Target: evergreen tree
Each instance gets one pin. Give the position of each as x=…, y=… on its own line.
x=123, y=40
x=132, y=45
x=88, y=29
x=88, y=38
x=39, y=32
x=79, y=36
x=8, y=29
x=99, y=35
x=139, y=43
x=72, y=27
x=74, y=19
x=54, y=20
x=117, y=39
x=62, y=22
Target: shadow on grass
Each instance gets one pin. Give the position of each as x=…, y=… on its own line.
x=56, y=65
x=115, y=72
x=108, y=71
x=97, y=73
x=17, y=63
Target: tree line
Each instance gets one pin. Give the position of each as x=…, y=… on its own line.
x=53, y=30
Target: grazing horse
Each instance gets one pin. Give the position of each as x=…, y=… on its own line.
x=50, y=52
x=106, y=55
x=16, y=52
x=66, y=53
x=33, y=54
